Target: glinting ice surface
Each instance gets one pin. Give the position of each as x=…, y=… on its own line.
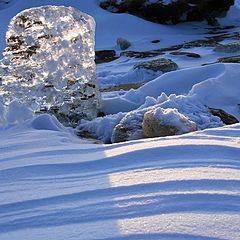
x=49, y=64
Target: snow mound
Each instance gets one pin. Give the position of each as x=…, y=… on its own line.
x=46, y=122
x=14, y=113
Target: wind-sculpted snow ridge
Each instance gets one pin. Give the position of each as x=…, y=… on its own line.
x=59, y=187
x=49, y=63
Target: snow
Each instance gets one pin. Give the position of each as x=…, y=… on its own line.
x=56, y=185
x=219, y=83
x=59, y=187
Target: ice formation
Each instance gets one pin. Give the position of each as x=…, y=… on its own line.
x=49, y=64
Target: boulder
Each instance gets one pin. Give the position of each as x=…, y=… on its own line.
x=162, y=64
x=123, y=43
x=120, y=134
x=152, y=122
x=171, y=12
x=161, y=122
x=129, y=128
x=103, y=56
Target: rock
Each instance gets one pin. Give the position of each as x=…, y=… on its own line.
x=166, y=122
x=146, y=54
x=120, y=134
x=171, y=12
x=233, y=59
x=188, y=54
x=49, y=64
x=162, y=64
x=201, y=43
x=228, y=48
x=155, y=41
x=105, y=56
x=226, y=118
x=151, y=122
x=123, y=44
x=129, y=128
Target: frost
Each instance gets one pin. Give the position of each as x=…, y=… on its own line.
x=48, y=63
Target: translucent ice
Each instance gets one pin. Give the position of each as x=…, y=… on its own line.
x=49, y=64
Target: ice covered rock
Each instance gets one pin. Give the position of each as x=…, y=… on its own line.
x=161, y=122
x=162, y=64
x=49, y=63
x=171, y=11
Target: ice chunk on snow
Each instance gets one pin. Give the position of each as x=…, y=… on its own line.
x=49, y=63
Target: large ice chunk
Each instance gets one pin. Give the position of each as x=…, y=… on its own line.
x=49, y=64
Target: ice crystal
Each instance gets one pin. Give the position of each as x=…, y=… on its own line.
x=49, y=64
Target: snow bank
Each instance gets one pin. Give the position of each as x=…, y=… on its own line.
x=181, y=82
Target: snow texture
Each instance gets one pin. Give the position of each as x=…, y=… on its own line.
x=49, y=63
x=56, y=186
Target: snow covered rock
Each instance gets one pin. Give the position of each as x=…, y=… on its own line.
x=129, y=128
x=228, y=48
x=49, y=63
x=171, y=11
x=183, y=113
x=232, y=59
x=161, y=122
x=162, y=64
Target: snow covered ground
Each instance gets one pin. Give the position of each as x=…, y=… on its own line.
x=55, y=185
